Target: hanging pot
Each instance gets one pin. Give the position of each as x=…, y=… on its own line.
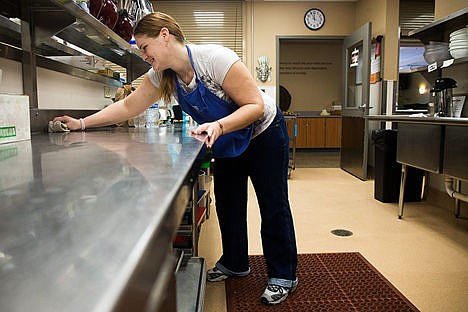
x=124, y=26
x=95, y=7
x=109, y=14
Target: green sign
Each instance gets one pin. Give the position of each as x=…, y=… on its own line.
x=6, y=132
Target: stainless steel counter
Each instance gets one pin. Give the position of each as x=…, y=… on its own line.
x=433, y=144
x=87, y=218
x=448, y=121
x=314, y=114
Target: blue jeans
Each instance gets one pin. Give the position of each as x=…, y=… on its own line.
x=266, y=163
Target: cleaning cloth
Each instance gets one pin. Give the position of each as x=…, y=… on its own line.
x=58, y=126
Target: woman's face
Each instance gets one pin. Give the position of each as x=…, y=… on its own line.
x=155, y=51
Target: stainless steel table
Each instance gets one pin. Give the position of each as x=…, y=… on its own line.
x=87, y=218
x=433, y=144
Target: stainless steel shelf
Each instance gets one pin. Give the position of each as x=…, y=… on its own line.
x=66, y=20
x=447, y=121
x=439, y=66
x=16, y=54
x=10, y=31
x=90, y=34
x=440, y=29
x=76, y=72
x=191, y=282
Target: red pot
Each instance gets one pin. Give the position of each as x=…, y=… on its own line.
x=124, y=27
x=109, y=14
x=95, y=7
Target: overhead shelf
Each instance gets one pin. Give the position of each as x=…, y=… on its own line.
x=66, y=20
x=90, y=34
x=439, y=65
x=441, y=29
x=16, y=54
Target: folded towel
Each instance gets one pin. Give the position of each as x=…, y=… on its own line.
x=57, y=126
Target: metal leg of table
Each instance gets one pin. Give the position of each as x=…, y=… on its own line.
x=404, y=171
x=457, y=201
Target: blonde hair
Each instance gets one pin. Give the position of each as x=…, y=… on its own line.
x=150, y=25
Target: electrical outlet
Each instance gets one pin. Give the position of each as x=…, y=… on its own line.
x=107, y=92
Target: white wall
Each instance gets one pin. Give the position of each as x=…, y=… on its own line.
x=12, y=78
x=61, y=91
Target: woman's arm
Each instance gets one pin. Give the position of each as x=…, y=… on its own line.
x=242, y=89
x=143, y=97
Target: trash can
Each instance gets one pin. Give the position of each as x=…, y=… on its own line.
x=387, y=171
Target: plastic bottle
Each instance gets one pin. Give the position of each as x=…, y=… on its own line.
x=133, y=43
x=152, y=116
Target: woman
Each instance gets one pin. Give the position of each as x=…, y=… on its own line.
x=245, y=130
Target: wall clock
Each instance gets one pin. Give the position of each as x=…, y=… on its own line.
x=314, y=19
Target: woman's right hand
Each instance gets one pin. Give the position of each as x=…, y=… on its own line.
x=72, y=123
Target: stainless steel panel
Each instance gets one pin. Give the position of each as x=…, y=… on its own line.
x=352, y=156
x=93, y=221
x=354, y=131
x=447, y=121
x=456, y=146
x=421, y=146
x=191, y=285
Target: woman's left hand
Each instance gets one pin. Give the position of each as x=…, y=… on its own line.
x=213, y=131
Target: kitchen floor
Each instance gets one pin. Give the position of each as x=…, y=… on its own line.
x=424, y=255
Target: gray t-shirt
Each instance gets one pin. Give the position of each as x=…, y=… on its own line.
x=212, y=62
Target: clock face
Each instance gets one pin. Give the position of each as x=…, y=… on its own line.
x=314, y=19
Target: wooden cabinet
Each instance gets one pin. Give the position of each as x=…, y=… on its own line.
x=332, y=132
x=318, y=132
x=310, y=133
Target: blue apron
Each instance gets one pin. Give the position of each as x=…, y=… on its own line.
x=205, y=106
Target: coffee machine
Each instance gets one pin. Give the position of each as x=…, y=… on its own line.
x=442, y=93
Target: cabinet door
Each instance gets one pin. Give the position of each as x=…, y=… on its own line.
x=333, y=132
x=301, y=139
x=315, y=132
x=290, y=125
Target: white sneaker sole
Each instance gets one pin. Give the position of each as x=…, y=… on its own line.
x=265, y=300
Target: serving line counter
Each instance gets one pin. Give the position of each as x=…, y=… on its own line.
x=433, y=144
x=87, y=219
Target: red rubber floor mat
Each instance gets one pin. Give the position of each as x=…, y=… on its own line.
x=327, y=282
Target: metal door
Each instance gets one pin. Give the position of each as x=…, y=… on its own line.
x=354, y=133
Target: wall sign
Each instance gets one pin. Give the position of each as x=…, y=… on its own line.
x=354, y=58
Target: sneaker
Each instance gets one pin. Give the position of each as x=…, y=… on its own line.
x=275, y=294
x=216, y=275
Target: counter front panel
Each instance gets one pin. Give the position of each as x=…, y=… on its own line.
x=80, y=211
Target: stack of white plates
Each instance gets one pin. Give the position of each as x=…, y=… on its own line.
x=437, y=52
x=458, y=45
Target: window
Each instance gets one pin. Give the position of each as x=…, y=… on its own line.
x=218, y=22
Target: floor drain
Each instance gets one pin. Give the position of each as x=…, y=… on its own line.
x=341, y=232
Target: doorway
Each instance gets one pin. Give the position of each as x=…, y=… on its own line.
x=310, y=72
x=310, y=69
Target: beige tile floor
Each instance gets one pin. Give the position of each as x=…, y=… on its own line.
x=425, y=255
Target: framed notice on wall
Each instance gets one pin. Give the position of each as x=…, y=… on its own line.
x=375, y=64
